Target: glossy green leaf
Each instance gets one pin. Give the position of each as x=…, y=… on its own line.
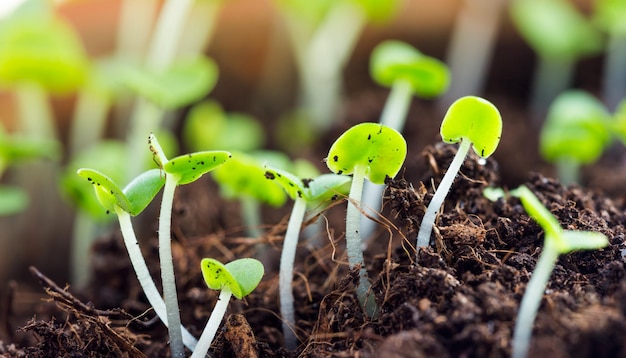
x=12, y=200
x=555, y=28
x=326, y=186
x=393, y=61
x=474, y=119
x=293, y=185
x=190, y=167
x=244, y=175
x=182, y=84
x=577, y=127
x=142, y=190
x=378, y=148
x=241, y=276
x=248, y=273
x=108, y=192
x=41, y=49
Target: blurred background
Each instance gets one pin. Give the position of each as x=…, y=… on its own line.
x=111, y=71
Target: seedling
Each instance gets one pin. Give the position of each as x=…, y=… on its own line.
x=475, y=122
x=237, y=278
x=575, y=133
x=302, y=192
x=180, y=170
x=124, y=203
x=375, y=152
x=609, y=16
x=408, y=72
x=560, y=35
x=242, y=178
x=557, y=242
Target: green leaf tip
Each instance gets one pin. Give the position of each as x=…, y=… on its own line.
x=141, y=190
x=380, y=149
x=475, y=119
x=393, y=61
x=310, y=189
x=241, y=276
x=577, y=127
x=190, y=167
x=107, y=191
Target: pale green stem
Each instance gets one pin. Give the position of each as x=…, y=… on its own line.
x=394, y=116
x=36, y=115
x=90, y=115
x=287, y=258
x=353, y=242
x=614, y=77
x=551, y=78
x=213, y=324
x=134, y=28
x=143, y=275
x=146, y=116
x=532, y=299
x=251, y=215
x=426, y=227
x=167, y=266
x=84, y=231
x=167, y=33
x=199, y=28
x=568, y=171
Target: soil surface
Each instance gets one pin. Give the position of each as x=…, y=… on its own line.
x=461, y=300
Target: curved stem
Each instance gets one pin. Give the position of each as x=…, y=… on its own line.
x=213, y=324
x=167, y=267
x=532, y=299
x=426, y=227
x=287, y=258
x=143, y=275
x=353, y=242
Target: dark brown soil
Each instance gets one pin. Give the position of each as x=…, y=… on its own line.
x=460, y=301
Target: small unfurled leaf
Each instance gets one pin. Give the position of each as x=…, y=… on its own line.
x=378, y=148
x=108, y=192
x=582, y=240
x=248, y=273
x=393, y=61
x=12, y=200
x=190, y=167
x=474, y=119
x=141, y=190
x=182, y=84
x=537, y=211
x=240, y=276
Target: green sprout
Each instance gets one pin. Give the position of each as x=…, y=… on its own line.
x=126, y=203
x=560, y=35
x=375, y=152
x=303, y=192
x=409, y=73
x=576, y=132
x=237, y=278
x=180, y=170
x=242, y=178
x=609, y=16
x=475, y=122
x=557, y=242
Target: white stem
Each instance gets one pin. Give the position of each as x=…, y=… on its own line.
x=199, y=28
x=213, y=324
x=90, y=116
x=532, y=299
x=146, y=116
x=251, y=215
x=36, y=117
x=614, y=77
x=84, y=230
x=568, y=170
x=167, y=267
x=135, y=25
x=353, y=242
x=287, y=258
x=167, y=33
x=551, y=77
x=426, y=227
x=143, y=275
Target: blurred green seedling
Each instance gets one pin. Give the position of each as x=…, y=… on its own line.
x=180, y=170
x=560, y=35
x=557, y=242
x=408, y=73
x=375, y=152
x=126, y=203
x=242, y=178
x=237, y=278
x=576, y=132
x=303, y=192
x=476, y=123
x=207, y=127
